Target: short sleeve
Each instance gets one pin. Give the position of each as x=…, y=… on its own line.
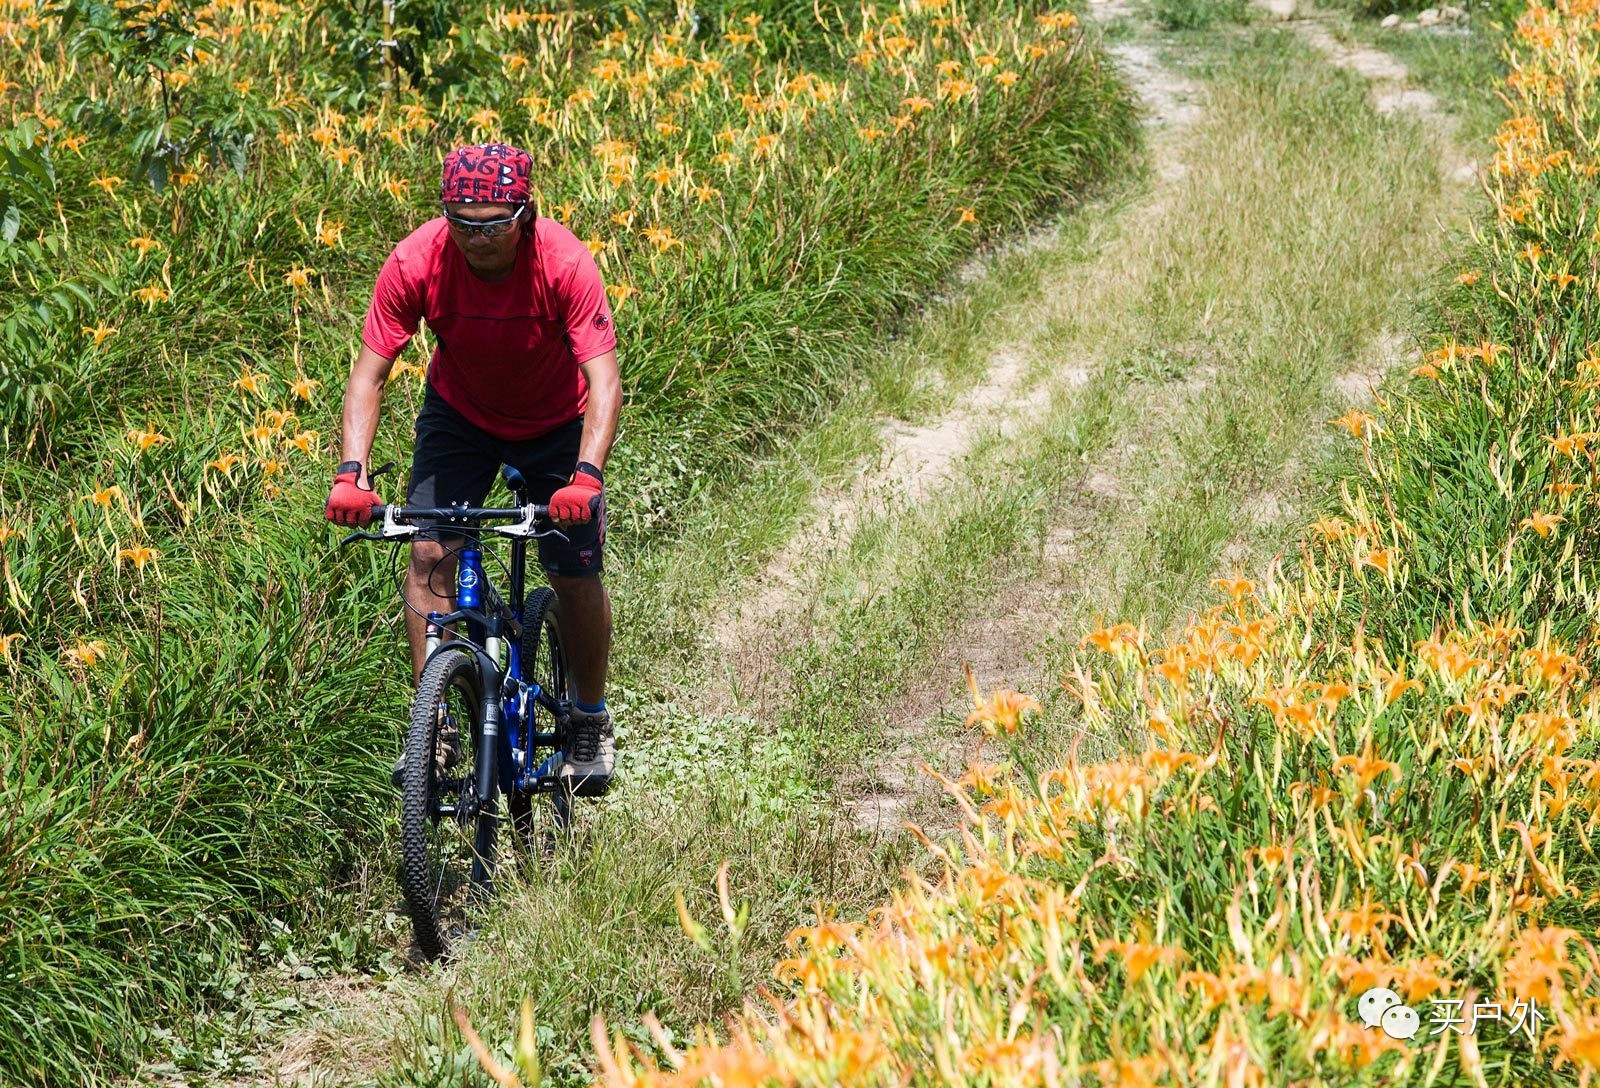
x=395, y=311
x=585, y=311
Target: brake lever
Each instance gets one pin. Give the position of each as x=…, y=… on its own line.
x=360, y=535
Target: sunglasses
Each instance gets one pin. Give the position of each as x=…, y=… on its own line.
x=489, y=228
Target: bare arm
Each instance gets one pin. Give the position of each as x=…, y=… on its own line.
x=362, y=396
x=605, y=405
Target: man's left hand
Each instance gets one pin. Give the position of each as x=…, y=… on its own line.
x=579, y=501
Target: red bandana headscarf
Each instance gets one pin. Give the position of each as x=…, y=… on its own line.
x=487, y=174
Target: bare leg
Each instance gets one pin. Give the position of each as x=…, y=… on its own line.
x=420, y=595
x=586, y=627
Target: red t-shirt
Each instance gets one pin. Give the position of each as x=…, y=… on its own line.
x=508, y=352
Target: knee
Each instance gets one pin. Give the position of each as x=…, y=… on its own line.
x=430, y=559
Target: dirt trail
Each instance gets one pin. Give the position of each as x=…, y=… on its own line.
x=1005, y=646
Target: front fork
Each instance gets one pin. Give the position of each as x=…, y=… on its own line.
x=489, y=750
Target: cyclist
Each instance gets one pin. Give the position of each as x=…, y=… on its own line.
x=525, y=374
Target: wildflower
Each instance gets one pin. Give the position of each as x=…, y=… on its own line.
x=595, y=245
x=140, y=555
x=298, y=277
x=869, y=133
x=303, y=441
x=7, y=534
x=1468, y=278
x=73, y=144
x=107, y=182
x=100, y=332
x=1366, y=767
x=185, y=179
x=152, y=295
x=1380, y=559
x=661, y=175
x=396, y=187
x=303, y=387
x=620, y=292
x=86, y=654
x=226, y=464
x=916, y=104
x=144, y=245
x=484, y=118
x=8, y=641
x=968, y=215
x=1541, y=522
x=1355, y=421
x=343, y=155
x=251, y=382
x=330, y=232
x=105, y=495
x=662, y=238
x=704, y=192
x=1139, y=956
x=1002, y=712
x=1007, y=78
x=146, y=439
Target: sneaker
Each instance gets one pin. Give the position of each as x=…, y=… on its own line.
x=447, y=753
x=591, y=755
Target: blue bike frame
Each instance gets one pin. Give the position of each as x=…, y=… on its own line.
x=484, y=613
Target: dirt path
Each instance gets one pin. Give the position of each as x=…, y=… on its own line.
x=1006, y=645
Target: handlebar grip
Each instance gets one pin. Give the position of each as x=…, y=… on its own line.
x=378, y=512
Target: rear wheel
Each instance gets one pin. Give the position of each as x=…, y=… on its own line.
x=544, y=662
x=447, y=831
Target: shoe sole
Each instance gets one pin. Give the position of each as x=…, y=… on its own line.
x=588, y=785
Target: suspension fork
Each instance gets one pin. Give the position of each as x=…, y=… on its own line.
x=490, y=672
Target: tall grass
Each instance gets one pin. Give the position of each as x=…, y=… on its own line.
x=202, y=693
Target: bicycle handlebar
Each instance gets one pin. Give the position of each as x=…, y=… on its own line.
x=395, y=517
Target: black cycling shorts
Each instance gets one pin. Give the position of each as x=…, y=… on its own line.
x=456, y=461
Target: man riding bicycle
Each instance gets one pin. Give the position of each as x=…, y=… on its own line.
x=524, y=374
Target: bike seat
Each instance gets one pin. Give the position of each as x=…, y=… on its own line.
x=516, y=482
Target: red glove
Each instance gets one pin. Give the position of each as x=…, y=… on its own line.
x=579, y=500
x=349, y=503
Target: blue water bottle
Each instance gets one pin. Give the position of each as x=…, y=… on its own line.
x=469, y=579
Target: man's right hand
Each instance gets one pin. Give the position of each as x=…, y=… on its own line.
x=349, y=503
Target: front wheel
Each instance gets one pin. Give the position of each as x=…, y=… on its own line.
x=447, y=832
x=544, y=662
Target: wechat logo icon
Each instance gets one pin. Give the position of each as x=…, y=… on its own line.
x=1380, y=1007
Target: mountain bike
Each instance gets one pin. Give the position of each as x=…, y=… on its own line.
x=490, y=716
